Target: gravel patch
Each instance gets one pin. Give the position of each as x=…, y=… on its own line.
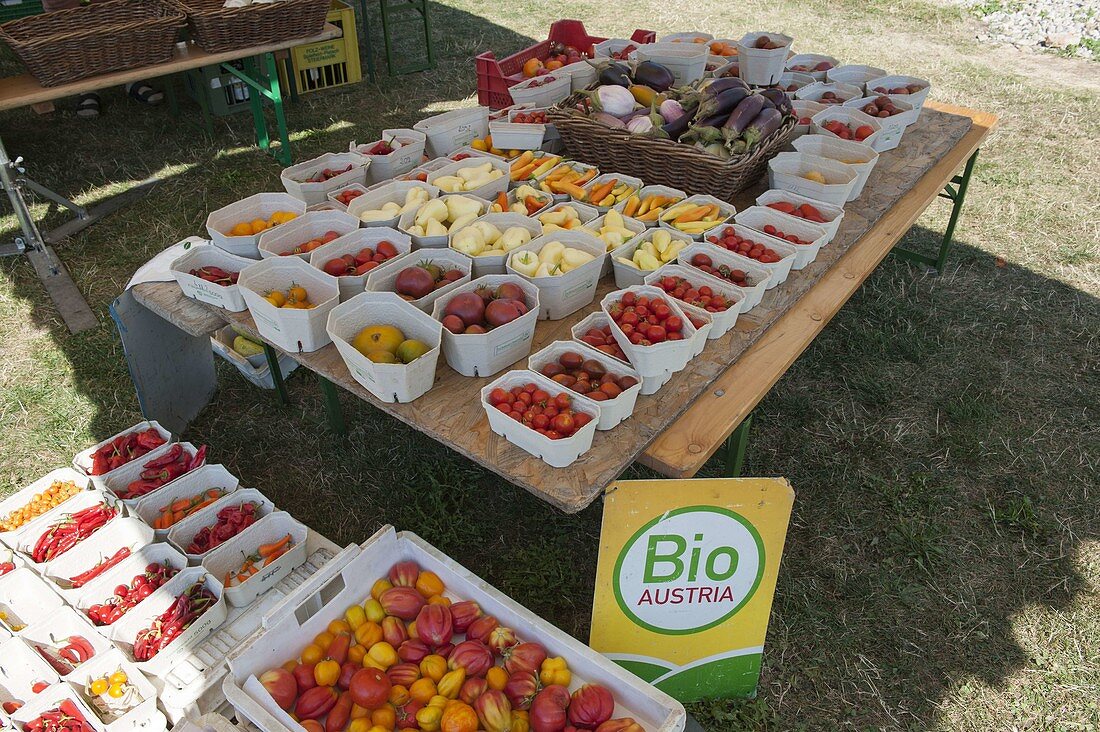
x=1072, y=26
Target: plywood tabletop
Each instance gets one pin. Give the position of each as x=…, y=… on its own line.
x=451, y=411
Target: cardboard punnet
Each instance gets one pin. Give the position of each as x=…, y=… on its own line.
x=451, y=130
x=257, y=206
x=484, y=354
x=758, y=277
x=311, y=225
x=722, y=322
x=542, y=197
x=119, y=481
x=50, y=699
x=231, y=555
x=894, y=81
x=121, y=532
x=762, y=66
x=787, y=252
x=893, y=127
x=612, y=411
x=585, y=213
x=493, y=261
x=295, y=179
x=814, y=92
x=83, y=459
x=564, y=294
x=853, y=118
x=390, y=382
x=184, y=532
x=686, y=61
x=860, y=156
x=486, y=191
x=401, y=160
x=352, y=243
x=651, y=190
x=796, y=79
x=28, y=534
x=636, y=183
x=144, y=713
x=103, y=586
x=760, y=217
x=22, y=497
x=627, y=275
x=25, y=597
x=805, y=109
x=855, y=74
x=581, y=75
x=334, y=196
x=384, y=278
x=789, y=174
x=833, y=215
x=347, y=579
x=292, y=330
x=408, y=219
x=253, y=368
x=656, y=358
x=800, y=60
x=51, y=631
x=576, y=165
x=725, y=211
x=395, y=191
x=22, y=669
x=551, y=89
x=199, y=480
x=508, y=135
x=207, y=255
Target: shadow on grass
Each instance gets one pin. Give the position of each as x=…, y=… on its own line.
x=933, y=432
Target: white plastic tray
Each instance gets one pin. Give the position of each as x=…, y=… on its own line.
x=21, y=670
x=144, y=714
x=102, y=587
x=122, y=531
x=49, y=699
x=54, y=630
x=120, y=479
x=24, y=597
x=23, y=496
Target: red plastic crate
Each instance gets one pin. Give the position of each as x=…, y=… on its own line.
x=495, y=77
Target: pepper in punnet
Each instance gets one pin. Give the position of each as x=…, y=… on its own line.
x=166, y=627
x=63, y=535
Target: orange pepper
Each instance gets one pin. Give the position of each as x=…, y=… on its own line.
x=428, y=583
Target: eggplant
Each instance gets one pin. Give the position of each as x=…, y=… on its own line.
x=718, y=86
x=676, y=127
x=722, y=104
x=692, y=97
x=764, y=125
x=779, y=98
x=654, y=75
x=740, y=117
x=702, y=135
x=614, y=74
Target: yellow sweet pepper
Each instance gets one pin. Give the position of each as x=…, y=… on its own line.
x=555, y=671
x=326, y=672
x=356, y=616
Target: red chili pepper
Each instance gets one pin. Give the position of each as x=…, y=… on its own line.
x=173, y=454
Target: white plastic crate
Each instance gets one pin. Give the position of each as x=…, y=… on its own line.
x=351, y=243
x=655, y=359
x=291, y=330
x=654, y=190
x=310, y=225
x=686, y=61
x=50, y=699
x=564, y=294
x=53, y=631
x=183, y=533
x=22, y=670
x=389, y=382
x=120, y=532
x=395, y=191
x=257, y=206
x=22, y=497
x=295, y=178
x=758, y=277
x=860, y=156
x=812, y=59
x=602, y=178
x=347, y=580
x=894, y=81
x=484, y=354
x=144, y=714
x=893, y=127
x=627, y=275
x=759, y=217
x=787, y=252
x=205, y=255
x=725, y=211
x=485, y=192
x=788, y=174
x=25, y=597
x=102, y=588
x=494, y=263
x=762, y=66
x=401, y=160
x=612, y=411
x=451, y=130
x=851, y=117
x=125, y=631
x=855, y=74
x=232, y=554
x=384, y=278
x=119, y=480
x=83, y=460
x=833, y=215
x=551, y=89
x=721, y=322
x=253, y=368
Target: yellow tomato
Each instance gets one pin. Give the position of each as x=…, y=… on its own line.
x=439, y=600
x=383, y=653
x=368, y=633
x=118, y=677
x=336, y=627
x=355, y=616
x=429, y=718
x=99, y=686
x=358, y=712
x=324, y=639
x=326, y=672
x=428, y=584
x=356, y=653
x=312, y=653
x=379, y=587
x=399, y=695
x=374, y=610
x=434, y=667
x=360, y=724
x=385, y=717
x=497, y=678
x=422, y=690
x=297, y=292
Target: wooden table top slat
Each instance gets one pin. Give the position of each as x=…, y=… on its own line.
x=451, y=412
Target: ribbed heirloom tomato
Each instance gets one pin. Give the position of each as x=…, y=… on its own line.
x=370, y=688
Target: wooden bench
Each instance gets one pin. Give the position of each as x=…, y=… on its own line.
x=679, y=427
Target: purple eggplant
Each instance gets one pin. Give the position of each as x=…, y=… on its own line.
x=740, y=117
x=779, y=98
x=654, y=75
x=676, y=127
x=763, y=126
x=722, y=104
x=615, y=73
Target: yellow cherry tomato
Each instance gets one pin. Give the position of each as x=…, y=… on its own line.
x=312, y=653
x=118, y=677
x=497, y=678
x=355, y=616
x=99, y=686
x=116, y=691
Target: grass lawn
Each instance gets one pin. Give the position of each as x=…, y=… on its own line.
x=942, y=435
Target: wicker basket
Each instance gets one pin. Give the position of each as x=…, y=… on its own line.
x=68, y=45
x=216, y=28
x=663, y=161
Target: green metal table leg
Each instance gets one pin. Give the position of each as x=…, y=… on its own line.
x=276, y=375
x=956, y=195
x=332, y=406
x=386, y=36
x=736, y=445
x=256, y=101
x=203, y=100
x=169, y=83
x=428, y=36
x=367, y=46
x=283, y=155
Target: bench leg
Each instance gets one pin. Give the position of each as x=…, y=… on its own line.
x=263, y=84
x=332, y=407
x=736, y=444
x=956, y=195
x=276, y=375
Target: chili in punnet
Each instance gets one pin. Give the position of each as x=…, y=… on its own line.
x=87, y=576
x=231, y=521
x=61, y=536
x=65, y=718
x=166, y=627
x=125, y=448
x=164, y=469
x=126, y=597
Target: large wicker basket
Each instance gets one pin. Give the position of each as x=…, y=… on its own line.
x=73, y=44
x=663, y=161
x=216, y=28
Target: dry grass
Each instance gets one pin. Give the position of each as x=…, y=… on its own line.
x=942, y=434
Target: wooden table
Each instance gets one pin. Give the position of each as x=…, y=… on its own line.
x=24, y=90
x=679, y=427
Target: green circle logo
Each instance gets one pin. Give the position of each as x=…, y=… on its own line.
x=689, y=570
